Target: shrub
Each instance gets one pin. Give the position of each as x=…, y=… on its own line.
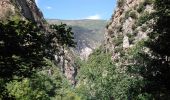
x=130, y=13
x=144, y=28
x=131, y=37
x=135, y=32
x=118, y=49
x=119, y=28
x=127, y=14
x=118, y=41
x=133, y=14
x=140, y=8
x=120, y=3
x=143, y=18
x=142, y=5
x=134, y=26
x=148, y=2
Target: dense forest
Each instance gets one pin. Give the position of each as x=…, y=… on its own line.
x=29, y=70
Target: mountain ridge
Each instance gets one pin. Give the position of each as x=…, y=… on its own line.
x=88, y=34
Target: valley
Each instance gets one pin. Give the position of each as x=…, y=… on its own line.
x=88, y=34
x=124, y=58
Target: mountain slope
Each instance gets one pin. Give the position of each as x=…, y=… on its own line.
x=88, y=34
x=23, y=9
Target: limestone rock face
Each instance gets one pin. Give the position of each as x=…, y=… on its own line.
x=26, y=9
x=127, y=26
x=68, y=61
x=125, y=42
x=6, y=8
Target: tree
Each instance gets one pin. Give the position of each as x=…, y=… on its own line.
x=64, y=37
x=21, y=51
x=159, y=44
x=154, y=65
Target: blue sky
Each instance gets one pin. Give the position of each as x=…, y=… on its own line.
x=77, y=9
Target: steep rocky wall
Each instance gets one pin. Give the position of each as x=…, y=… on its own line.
x=128, y=25
x=70, y=70
x=26, y=9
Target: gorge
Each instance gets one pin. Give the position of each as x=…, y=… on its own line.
x=125, y=58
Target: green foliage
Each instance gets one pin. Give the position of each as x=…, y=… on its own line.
x=90, y=31
x=150, y=59
x=25, y=72
x=22, y=90
x=118, y=41
x=46, y=84
x=21, y=49
x=92, y=73
x=144, y=28
x=120, y=3
x=134, y=27
x=141, y=7
x=21, y=52
x=148, y=2
x=144, y=18
x=131, y=37
x=132, y=14
x=119, y=28
x=64, y=35
x=100, y=79
x=159, y=46
x=143, y=4
x=127, y=14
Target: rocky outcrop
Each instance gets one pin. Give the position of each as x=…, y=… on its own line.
x=68, y=61
x=6, y=9
x=125, y=42
x=28, y=10
x=129, y=24
x=25, y=9
x=88, y=34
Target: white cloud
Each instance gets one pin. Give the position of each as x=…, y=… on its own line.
x=94, y=17
x=48, y=7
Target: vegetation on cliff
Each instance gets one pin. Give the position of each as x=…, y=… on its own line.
x=139, y=72
x=134, y=67
x=27, y=66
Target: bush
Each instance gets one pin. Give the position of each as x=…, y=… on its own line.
x=127, y=14
x=119, y=28
x=140, y=8
x=135, y=32
x=148, y=2
x=118, y=41
x=131, y=38
x=133, y=14
x=118, y=49
x=142, y=5
x=134, y=26
x=120, y=3
x=144, y=28
x=143, y=18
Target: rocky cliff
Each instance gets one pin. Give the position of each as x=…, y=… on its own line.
x=129, y=24
x=25, y=9
x=89, y=34
x=28, y=10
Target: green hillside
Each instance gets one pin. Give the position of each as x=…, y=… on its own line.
x=88, y=33
x=92, y=29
